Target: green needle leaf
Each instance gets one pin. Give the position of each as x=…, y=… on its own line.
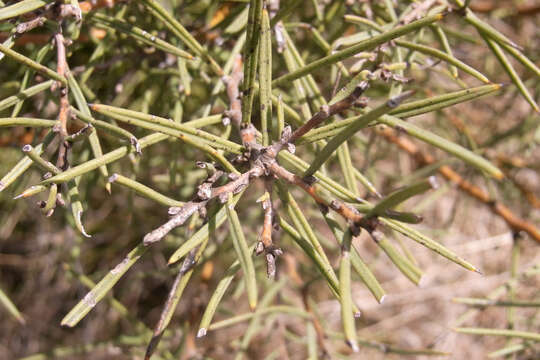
x=443, y=56
x=25, y=94
x=265, y=77
x=500, y=332
x=355, y=49
x=33, y=64
x=21, y=8
x=352, y=129
x=242, y=251
x=347, y=318
x=216, y=297
x=399, y=196
x=92, y=298
x=138, y=34
x=144, y=190
x=28, y=122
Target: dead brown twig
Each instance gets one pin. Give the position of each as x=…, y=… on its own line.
x=515, y=223
x=501, y=160
x=204, y=195
x=265, y=243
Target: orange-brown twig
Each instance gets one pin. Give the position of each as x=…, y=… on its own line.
x=265, y=243
x=515, y=223
x=349, y=213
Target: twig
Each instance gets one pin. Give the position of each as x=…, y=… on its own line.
x=187, y=265
x=327, y=111
x=29, y=25
x=181, y=214
x=341, y=208
x=232, y=83
x=265, y=243
x=63, y=113
x=498, y=208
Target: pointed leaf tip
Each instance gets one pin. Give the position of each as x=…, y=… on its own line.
x=80, y=226
x=354, y=345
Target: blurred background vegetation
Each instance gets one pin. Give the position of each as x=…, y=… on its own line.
x=47, y=265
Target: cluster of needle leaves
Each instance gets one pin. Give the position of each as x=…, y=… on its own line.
x=254, y=113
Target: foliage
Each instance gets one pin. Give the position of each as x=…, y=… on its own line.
x=256, y=115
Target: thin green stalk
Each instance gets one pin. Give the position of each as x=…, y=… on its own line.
x=328, y=273
x=112, y=129
x=366, y=182
x=157, y=9
x=33, y=65
x=525, y=61
x=311, y=339
x=10, y=307
x=126, y=115
x=355, y=49
x=490, y=302
x=507, y=350
x=347, y=167
x=45, y=165
x=51, y=199
x=31, y=191
x=265, y=78
x=347, y=319
x=29, y=75
x=107, y=158
x=303, y=225
x=367, y=276
x=500, y=332
x=25, y=94
x=484, y=27
x=27, y=122
x=437, y=102
x=144, y=190
x=399, y=196
x=499, y=54
x=452, y=148
x=138, y=34
x=444, y=57
x=350, y=130
x=431, y=244
x=216, y=297
x=243, y=253
x=197, y=141
x=77, y=94
x=251, y=57
x=98, y=292
x=280, y=119
x=443, y=40
x=411, y=271
x=21, y=7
